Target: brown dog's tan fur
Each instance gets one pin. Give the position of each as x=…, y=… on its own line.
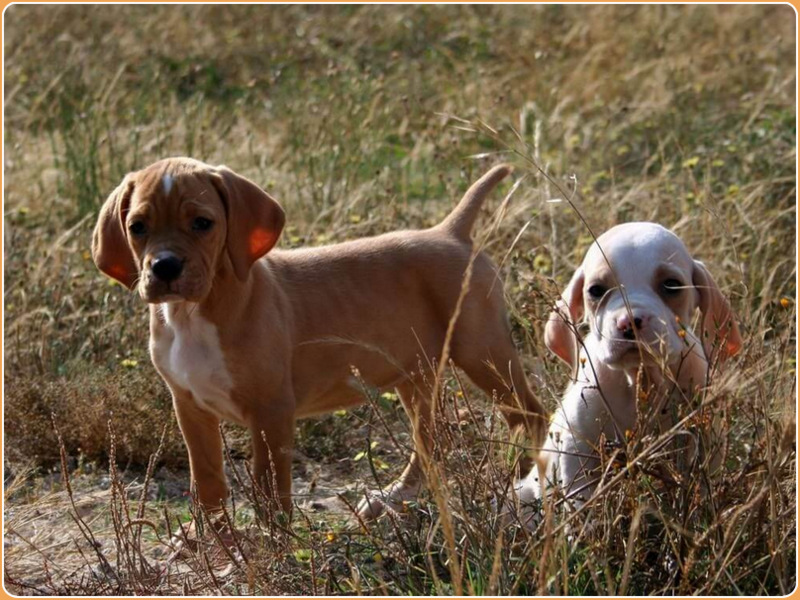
x=264, y=339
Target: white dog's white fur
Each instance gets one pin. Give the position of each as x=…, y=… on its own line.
x=638, y=289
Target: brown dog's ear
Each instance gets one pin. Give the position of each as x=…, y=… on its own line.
x=719, y=330
x=110, y=249
x=255, y=219
x=559, y=333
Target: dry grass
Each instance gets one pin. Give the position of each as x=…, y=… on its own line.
x=682, y=115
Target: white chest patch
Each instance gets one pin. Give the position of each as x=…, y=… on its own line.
x=190, y=354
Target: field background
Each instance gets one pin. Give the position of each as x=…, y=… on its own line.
x=366, y=119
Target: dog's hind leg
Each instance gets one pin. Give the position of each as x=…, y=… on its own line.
x=497, y=371
x=406, y=487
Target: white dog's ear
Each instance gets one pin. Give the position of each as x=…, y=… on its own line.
x=719, y=331
x=110, y=249
x=255, y=219
x=559, y=333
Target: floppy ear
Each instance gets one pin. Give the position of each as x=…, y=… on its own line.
x=110, y=249
x=255, y=219
x=559, y=333
x=719, y=330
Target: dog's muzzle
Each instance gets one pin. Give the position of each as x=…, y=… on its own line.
x=166, y=267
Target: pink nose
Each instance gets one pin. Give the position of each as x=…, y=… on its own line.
x=626, y=324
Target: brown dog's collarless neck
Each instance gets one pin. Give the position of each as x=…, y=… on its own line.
x=229, y=296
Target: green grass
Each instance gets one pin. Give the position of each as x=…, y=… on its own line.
x=366, y=119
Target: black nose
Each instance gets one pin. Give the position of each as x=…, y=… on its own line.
x=167, y=268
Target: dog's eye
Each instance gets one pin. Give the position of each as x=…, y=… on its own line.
x=137, y=228
x=202, y=224
x=597, y=291
x=671, y=287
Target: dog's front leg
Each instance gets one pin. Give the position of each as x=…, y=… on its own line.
x=272, y=431
x=200, y=431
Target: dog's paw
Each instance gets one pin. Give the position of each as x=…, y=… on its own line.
x=394, y=498
x=371, y=506
x=527, y=490
x=185, y=541
x=190, y=539
x=523, y=506
x=529, y=495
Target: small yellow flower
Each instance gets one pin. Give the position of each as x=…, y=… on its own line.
x=86, y=255
x=331, y=536
x=542, y=263
x=129, y=363
x=303, y=555
x=691, y=162
x=785, y=302
x=682, y=333
x=377, y=557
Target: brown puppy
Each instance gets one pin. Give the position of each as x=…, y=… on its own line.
x=263, y=340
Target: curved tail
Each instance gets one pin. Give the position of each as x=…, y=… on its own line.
x=460, y=221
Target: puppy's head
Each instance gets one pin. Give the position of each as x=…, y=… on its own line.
x=167, y=230
x=638, y=288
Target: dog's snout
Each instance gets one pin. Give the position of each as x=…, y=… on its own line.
x=167, y=267
x=629, y=324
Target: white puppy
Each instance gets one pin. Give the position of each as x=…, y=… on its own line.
x=637, y=289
